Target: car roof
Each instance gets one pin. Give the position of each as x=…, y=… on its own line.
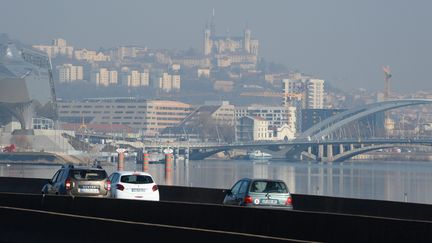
x=262, y=179
x=132, y=172
x=82, y=167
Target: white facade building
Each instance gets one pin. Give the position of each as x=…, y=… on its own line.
x=134, y=79
x=315, y=94
x=105, y=77
x=312, y=91
x=137, y=79
x=253, y=128
x=168, y=82
x=69, y=73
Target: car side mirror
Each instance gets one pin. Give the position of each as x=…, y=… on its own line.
x=50, y=182
x=229, y=192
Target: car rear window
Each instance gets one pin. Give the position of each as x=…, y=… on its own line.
x=268, y=187
x=88, y=175
x=136, y=179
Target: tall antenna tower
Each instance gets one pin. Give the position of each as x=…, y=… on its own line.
x=387, y=77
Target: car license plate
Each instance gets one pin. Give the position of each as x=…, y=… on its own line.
x=138, y=189
x=88, y=189
x=269, y=201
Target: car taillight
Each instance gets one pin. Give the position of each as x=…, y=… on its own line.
x=288, y=201
x=120, y=187
x=248, y=199
x=155, y=188
x=108, y=185
x=68, y=184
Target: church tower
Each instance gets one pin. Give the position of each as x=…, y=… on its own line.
x=207, y=41
x=209, y=32
x=247, y=40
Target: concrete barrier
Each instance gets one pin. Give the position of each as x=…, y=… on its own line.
x=301, y=202
x=379, y=208
x=256, y=223
x=22, y=185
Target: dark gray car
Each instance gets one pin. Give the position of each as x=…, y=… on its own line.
x=79, y=181
x=259, y=193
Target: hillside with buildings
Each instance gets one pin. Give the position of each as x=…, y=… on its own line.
x=224, y=91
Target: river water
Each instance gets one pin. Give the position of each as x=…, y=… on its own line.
x=382, y=180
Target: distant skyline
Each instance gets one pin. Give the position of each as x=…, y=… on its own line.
x=343, y=42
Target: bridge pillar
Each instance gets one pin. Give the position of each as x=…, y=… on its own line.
x=176, y=156
x=351, y=146
x=309, y=150
x=120, y=164
x=320, y=152
x=168, y=168
x=330, y=152
x=186, y=159
x=146, y=161
x=341, y=148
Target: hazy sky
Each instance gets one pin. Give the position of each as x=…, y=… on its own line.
x=343, y=41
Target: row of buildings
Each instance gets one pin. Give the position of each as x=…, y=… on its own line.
x=219, y=53
x=59, y=47
x=109, y=69
x=159, y=118
x=104, y=77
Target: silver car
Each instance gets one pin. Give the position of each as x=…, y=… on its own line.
x=79, y=181
x=259, y=193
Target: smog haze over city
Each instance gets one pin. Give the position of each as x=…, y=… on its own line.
x=344, y=42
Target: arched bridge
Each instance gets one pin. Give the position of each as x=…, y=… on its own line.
x=351, y=153
x=337, y=151
x=316, y=142
x=331, y=124
x=324, y=130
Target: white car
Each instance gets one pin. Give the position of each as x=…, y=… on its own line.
x=133, y=185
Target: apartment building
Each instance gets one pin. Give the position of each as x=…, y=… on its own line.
x=315, y=94
x=69, y=73
x=137, y=79
x=169, y=82
x=105, y=77
x=311, y=89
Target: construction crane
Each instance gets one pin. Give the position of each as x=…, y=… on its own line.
x=387, y=77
